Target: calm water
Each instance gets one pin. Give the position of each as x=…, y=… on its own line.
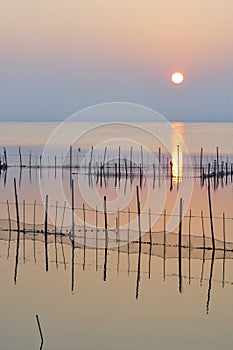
x=155, y=299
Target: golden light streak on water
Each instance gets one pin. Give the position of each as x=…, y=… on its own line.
x=177, y=154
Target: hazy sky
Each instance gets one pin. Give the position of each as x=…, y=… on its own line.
x=58, y=56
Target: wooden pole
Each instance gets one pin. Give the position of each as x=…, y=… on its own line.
x=96, y=238
x=139, y=243
x=224, y=231
x=180, y=246
x=201, y=162
x=203, y=229
x=20, y=158
x=40, y=331
x=126, y=170
x=190, y=218
x=178, y=156
x=142, y=158
x=115, y=174
x=55, y=234
x=46, y=234
x=224, y=250
x=70, y=165
x=131, y=162
x=18, y=231
x=24, y=230
x=5, y=157
x=55, y=166
x=106, y=238
x=210, y=282
x=217, y=159
x=72, y=241
x=119, y=163
x=150, y=237
x=210, y=209
x=164, y=244
x=128, y=240
x=9, y=228
x=34, y=230
x=61, y=235
x=84, y=237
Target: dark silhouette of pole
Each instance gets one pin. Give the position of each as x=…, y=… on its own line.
x=46, y=234
x=18, y=232
x=210, y=209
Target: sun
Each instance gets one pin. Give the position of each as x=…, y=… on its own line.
x=177, y=78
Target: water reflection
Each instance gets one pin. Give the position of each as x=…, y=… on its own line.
x=177, y=152
x=131, y=258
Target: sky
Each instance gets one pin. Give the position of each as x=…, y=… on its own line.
x=59, y=56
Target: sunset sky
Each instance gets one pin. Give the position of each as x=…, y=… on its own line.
x=59, y=56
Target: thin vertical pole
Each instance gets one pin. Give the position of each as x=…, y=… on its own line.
x=201, y=162
x=106, y=238
x=128, y=240
x=224, y=231
x=20, y=158
x=96, y=238
x=72, y=194
x=9, y=229
x=46, y=233
x=40, y=331
x=164, y=244
x=70, y=165
x=210, y=209
x=34, y=230
x=84, y=237
x=55, y=233
x=180, y=246
x=150, y=251
x=190, y=218
x=18, y=232
x=61, y=235
x=24, y=230
x=224, y=249
x=139, y=243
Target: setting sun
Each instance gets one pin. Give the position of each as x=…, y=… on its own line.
x=177, y=78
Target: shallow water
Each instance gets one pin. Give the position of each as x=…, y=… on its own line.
x=128, y=299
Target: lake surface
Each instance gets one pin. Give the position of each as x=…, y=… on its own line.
x=142, y=289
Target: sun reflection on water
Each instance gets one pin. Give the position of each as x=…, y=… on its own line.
x=177, y=154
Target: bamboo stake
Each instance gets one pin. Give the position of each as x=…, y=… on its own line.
x=55, y=234
x=210, y=283
x=18, y=232
x=210, y=209
x=180, y=246
x=72, y=240
x=139, y=243
x=70, y=165
x=150, y=250
x=40, y=331
x=128, y=240
x=61, y=235
x=24, y=230
x=84, y=236
x=190, y=217
x=164, y=244
x=20, y=158
x=201, y=162
x=203, y=229
x=224, y=249
x=34, y=230
x=96, y=239
x=46, y=234
x=106, y=239
x=9, y=229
